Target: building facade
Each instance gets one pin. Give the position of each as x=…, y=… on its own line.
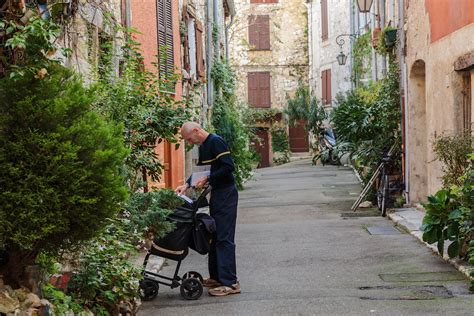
x=440, y=77
x=269, y=51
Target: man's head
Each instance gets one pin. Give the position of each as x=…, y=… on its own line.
x=193, y=133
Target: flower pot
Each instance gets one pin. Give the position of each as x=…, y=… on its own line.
x=390, y=37
x=375, y=36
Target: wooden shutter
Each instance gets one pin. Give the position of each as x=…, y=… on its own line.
x=185, y=18
x=199, y=52
x=326, y=86
x=324, y=19
x=165, y=36
x=259, y=32
x=259, y=89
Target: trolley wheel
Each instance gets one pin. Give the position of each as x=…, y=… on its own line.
x=191, y=289
x=193, y=274
x=148, y=289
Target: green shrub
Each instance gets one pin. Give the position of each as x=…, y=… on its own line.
x=280, y=145
x=58, y=166
x=228, y=122
x=452, y=151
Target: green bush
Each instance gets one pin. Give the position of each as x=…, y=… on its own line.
x=367, y=120
x=228, y=122
x=452, y=152
x=59, y=166
x=280, y=145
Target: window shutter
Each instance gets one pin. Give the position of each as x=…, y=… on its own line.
x=186, y=64
x=199, y=54
x=252, y=88
x=165, y=36
x=253, y=32
x=328, y=86
x=265, y=100
x=324, y=19
x=264, y=32
x=259, y=32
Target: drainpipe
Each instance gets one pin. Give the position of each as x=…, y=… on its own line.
x=217, y=25
x=231, y=5
x=373, y=52
x=404, y=85
x=209, y=102
x=382, y=25
x=351, y=42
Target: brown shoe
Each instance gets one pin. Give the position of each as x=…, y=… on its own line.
x=211, y=283
x=225, y=290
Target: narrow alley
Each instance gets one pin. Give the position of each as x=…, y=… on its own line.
x=301, y=252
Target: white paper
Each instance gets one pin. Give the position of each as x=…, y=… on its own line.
x=184, y=197
x=196, y=176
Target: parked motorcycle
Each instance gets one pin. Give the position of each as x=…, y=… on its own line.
x=326, y=144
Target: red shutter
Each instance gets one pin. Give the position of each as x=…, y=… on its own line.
x=259, y=32
x=328, y=87
x=186, y=64
x=265, y=98
x=252, y=88
x=199, y=54
x=324, y=19
x=264, y=32
x=323, y=86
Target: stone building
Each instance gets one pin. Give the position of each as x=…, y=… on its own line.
x=268, y=41
x=440, y=77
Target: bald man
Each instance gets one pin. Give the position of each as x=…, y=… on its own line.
x=214, y=151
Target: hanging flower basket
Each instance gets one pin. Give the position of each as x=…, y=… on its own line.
x=390, y=37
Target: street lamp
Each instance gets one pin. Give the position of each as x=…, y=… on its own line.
x=364, y=5
x=342, y=58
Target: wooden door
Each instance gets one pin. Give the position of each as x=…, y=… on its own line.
x=263, y=148
x=299, y=138
x=167, y=164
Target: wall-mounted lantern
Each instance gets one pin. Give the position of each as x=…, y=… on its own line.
x=364, y=5
x=342, y=58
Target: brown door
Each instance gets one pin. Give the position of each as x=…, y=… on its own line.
x=262, y=148
x=299, y=138
x=167, y=164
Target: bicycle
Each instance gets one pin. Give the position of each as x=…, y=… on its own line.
x=381, y=175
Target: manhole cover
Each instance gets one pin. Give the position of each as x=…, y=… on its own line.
x=383, y=230
x=422, y=276
x=422, y=292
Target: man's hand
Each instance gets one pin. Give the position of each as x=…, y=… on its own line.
x=181, y=189
x=201, y=182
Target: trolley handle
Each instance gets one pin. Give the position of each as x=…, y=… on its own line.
x=201, y=197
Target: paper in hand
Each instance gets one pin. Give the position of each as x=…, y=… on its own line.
x=196, y=176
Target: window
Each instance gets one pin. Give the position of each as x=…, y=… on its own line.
x=199, y=54
x=326, y=86
x=324, y=20
x=259, y=32
x=259, y=89
x=263, y=1
x=165, y=37
x=466, y=102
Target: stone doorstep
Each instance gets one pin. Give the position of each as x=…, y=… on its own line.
x=410, y=220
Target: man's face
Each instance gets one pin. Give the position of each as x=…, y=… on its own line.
x=191, y=137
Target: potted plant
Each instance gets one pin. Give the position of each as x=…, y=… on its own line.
x=386, y=40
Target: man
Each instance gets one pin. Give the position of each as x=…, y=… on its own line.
x=213, y=151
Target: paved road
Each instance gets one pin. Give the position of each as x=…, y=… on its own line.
x=299, y=254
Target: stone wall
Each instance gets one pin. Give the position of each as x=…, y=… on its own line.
x=434, y=91
x=287, y=61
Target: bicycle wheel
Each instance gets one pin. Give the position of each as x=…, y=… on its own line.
x=383, y=193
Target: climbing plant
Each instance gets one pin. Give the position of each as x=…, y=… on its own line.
x=227, y=121
x=361, y=57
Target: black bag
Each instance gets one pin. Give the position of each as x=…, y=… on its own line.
x=202, y=234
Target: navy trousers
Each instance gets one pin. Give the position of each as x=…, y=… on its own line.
x=223, y=208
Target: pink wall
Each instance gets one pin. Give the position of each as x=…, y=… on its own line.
x=144, y=20
x=447, y=16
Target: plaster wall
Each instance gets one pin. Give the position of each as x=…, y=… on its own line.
x=287, y=61
x=323, y=53
x=443, y=108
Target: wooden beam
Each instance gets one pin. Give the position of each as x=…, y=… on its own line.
x=464, y=62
